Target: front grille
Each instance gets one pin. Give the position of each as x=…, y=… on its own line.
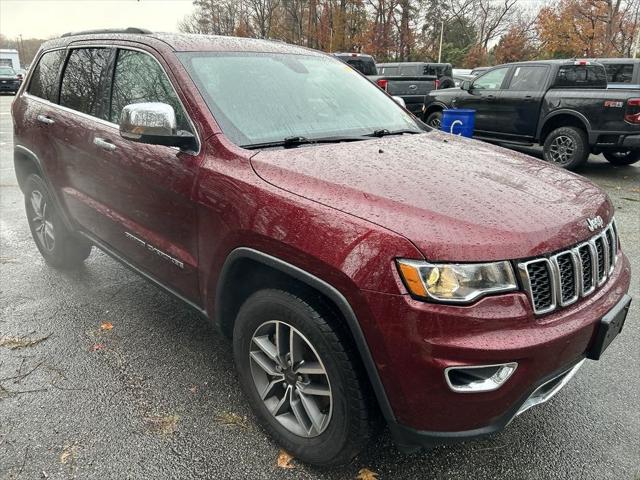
x=561, y=279
x=586, y=262
x=568, y=278
x=542, y=292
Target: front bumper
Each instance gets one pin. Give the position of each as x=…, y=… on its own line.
x=9, y=86
x=414, y=342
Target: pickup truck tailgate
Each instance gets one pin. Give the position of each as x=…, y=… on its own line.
x=411, y=89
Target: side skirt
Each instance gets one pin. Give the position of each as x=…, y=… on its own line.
x=120, y=259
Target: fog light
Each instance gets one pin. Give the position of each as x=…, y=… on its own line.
x=478, y=378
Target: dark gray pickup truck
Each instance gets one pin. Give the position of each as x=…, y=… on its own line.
x=563, y=105
x=411, y=81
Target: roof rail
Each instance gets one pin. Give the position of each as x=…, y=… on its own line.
x=142, y=31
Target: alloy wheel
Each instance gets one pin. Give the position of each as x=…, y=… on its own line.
x=41, y=221
x=291, y=379
x=562, y=149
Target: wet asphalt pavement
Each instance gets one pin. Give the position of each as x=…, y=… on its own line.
x=156, y=396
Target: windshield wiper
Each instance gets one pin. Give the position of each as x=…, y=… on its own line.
x=295, y=141
x=383, y=132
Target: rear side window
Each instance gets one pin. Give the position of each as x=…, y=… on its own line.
x=82, y=85
x=44, y=80
x=409, y=70
x=581, y=76
x=389, y=71
x=364, y=66
x=139, y=78
x=619, y=73
x=529, y=78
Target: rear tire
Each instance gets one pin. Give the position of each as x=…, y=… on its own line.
x=566, y=147
x=434, y=120
x=58, y=246
x=332, y=428
x=622, y=158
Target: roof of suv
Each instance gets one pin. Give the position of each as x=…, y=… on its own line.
x=183, y=42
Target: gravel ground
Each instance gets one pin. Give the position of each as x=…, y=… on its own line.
x=156, y=397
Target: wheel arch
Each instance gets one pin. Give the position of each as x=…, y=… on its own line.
x=563, y=118
x=25, y=163
x=253, y=269
x=434, y=107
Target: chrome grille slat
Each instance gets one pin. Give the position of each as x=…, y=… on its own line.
x=563, y=278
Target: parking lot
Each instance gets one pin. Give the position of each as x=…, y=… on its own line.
x=103, y=376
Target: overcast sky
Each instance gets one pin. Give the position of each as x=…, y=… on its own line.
x=49, y=18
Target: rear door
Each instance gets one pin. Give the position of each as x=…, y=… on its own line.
x=521, y=101
x=484, y=97
x=72, y=128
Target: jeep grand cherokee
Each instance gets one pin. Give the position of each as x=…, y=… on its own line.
x=359, y=261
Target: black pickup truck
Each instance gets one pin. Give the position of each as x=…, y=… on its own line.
x=563, y=105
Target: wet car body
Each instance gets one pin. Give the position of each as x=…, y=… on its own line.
x=337, y=219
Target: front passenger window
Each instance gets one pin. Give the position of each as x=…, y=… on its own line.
x=138, y=79
x=492, y=80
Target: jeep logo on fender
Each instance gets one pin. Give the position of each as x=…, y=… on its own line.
x=595, y=223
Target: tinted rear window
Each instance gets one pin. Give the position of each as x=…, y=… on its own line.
x=82, y=88
x=581, y=76
x=619, y=72
x=44, y=80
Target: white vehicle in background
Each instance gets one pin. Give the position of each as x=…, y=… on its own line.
x=9, y=57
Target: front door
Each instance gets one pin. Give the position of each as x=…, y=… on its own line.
x=152, y=215
x=484, y=97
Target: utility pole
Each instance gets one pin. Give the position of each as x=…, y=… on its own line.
x=441, y=35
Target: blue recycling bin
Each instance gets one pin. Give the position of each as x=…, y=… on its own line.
x=458, y=121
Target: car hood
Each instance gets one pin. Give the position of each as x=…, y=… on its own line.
x=456, y=199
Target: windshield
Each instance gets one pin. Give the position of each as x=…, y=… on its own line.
x=7, y=71
x=265, y=97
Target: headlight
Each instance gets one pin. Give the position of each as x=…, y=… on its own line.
x=456, y=282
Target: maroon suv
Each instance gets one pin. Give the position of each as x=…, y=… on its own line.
x=360, y=262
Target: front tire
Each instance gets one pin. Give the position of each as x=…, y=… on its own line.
x=300, y=378
x=622, y=158
x=566, y=147
x=434, y=120
x=59, y=247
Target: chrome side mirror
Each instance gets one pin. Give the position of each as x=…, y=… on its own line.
x=466, y=85
x=400, y=101
x=154, y=123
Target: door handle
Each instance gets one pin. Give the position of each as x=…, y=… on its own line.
x=528, y=98
x=104, y=144
x=490, y=98
x=46, y=120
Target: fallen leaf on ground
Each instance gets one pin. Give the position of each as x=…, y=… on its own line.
x=366, y=474
x=231, y=418
x=164, y=424
x=284, y=460
x=194, y=389
x=97, y=346
x=68, y=455
x=106, y=326
x=14, y=343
